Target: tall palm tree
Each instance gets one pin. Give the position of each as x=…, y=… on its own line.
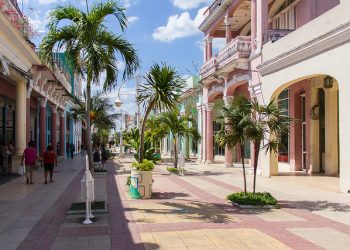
x=161, y=91
x=102, y=114
x=266, y=124
x=235, y=118
x=179, y=127
x=90, y=46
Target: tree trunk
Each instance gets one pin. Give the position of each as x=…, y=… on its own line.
x=256, y=155
x=142, y=132
x=88, y=125
x=175, y=153
x=243, y=165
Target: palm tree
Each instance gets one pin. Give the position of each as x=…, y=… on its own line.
x=235, y=117
x=90, y=47
x=267, y=123
x=161, y=91
x=155, y=130
x=179, y=127
x=101, y=111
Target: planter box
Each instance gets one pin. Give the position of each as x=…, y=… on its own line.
x=144, y=182
x=253, y=206
x=97, y=207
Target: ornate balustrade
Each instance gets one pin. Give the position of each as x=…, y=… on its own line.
x=208, y=67
x=238, y=47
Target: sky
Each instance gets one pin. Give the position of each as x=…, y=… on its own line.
x=161, y=31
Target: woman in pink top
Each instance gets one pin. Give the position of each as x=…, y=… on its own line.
x=29, y=156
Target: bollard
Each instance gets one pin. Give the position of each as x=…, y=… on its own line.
x=89, y=194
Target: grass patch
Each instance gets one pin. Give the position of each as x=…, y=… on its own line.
x=173, y=170
x=257, y=199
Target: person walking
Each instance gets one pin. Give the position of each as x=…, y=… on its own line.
x=50, y=161
x=29, y=157
x=72, y=150
x=97, y=158
x=3, y=158
x=11, y=152
x=104, y=156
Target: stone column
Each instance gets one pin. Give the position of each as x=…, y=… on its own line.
x=210, y=133
x=54, y=127
x=199, y=126
x=62, y=133
x=204, y=43
x=253, y=24
x=262, y=22
x=209, y=47
x=228, y=150
x=28, y=93
x=228, y=31
x=204, y=134
x=21, y=116
x=42, y=125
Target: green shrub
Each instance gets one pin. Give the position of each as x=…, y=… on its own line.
x=128, y=181
x=173, y=170
x=255, y=199
x=146, y=165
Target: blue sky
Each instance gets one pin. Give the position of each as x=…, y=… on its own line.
x=161, y=30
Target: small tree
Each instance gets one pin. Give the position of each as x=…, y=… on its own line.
x=178, y=126
x=235, y=117
x=265, y=129
x=161, y=91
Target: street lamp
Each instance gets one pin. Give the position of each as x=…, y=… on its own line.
x=118, y=102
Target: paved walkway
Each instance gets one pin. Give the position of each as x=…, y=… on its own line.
x=187, y=212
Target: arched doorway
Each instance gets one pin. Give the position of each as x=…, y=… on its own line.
x=311, y=146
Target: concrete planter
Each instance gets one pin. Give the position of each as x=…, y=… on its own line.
x=252, y=206
x=144, y=182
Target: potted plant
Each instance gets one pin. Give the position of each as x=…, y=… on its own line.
x=141, y=177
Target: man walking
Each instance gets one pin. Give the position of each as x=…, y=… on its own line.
x=72, y=150
x=29, y=157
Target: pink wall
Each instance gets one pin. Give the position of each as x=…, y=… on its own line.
x=307, y=10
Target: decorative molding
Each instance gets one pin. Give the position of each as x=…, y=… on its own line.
x=333, y=38
x=43, y=102
x=28, y=92
x=210, y=106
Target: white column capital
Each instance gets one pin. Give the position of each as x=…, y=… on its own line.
x=210, y=106
x=43, y=102
x=61, y=113
x=228, y=20
x=53, y=108
x=209, y=39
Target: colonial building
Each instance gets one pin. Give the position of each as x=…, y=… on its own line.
x=33, y=97
x=293, y=51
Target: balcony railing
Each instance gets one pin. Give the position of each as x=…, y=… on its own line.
x=208, y=67
x=274, y=35
x=240, y=47
x=18, y=20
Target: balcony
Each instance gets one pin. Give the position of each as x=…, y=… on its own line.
x=19, y=21
x=226, y=61
x=274, y=35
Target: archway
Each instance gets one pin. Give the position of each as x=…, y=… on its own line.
x=311, y=146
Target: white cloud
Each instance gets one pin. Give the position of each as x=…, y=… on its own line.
x=39, y=21
x=179, y=26
x=129, y=3
x=46, y=1
x=189, y=4
x=132, y=19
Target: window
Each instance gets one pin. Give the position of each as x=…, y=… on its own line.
x=283, y=104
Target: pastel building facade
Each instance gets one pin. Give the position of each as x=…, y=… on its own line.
x=291, y=51
x=33, y=96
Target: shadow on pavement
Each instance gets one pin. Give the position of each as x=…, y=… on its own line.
x=316, y=205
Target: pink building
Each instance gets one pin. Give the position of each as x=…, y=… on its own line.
x=288, y=50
